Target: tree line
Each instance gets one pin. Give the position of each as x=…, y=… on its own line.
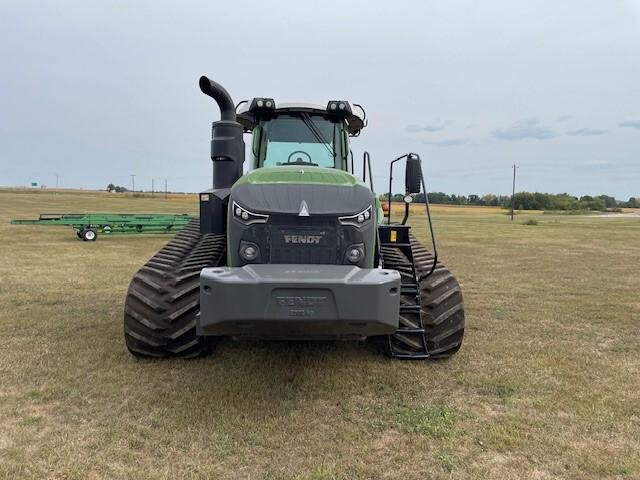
x=118, y=189
x=525, y=201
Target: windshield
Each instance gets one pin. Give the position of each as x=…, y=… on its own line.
x=299, y=140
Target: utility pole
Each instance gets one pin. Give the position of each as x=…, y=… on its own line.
x=133, y=182
x=152, y=180
x=165, y=188
x=513, y=191
x=57, y=180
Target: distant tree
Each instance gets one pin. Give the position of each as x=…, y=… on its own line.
x=596, y=203
x=111, y=187
x=609, y=202
x=438, y=197
x=473, y=200
x=564, y=201
x=632, y=203
x=490, y=200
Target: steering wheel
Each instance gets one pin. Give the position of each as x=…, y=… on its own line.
x=299, y=160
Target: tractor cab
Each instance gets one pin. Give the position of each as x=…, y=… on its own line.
x=300, y=134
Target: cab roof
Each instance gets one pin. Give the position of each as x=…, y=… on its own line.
x=354, y=121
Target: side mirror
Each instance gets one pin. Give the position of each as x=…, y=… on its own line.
x=413, y=174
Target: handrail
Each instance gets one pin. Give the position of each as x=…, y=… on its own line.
x=366, y=167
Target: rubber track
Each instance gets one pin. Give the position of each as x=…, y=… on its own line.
x=163, y=300
x=441, y=306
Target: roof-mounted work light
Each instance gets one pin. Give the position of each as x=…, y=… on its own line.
x=339, y=107
x=262, y=105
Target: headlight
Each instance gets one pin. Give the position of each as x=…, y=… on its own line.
x=249, y=251
x=247, y=217
x=358, y=219
x=355, y=253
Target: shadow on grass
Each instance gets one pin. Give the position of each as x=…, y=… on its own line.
x=259, y=381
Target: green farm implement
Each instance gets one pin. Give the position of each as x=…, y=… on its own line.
x=88, y=225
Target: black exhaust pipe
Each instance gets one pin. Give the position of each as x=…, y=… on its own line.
x=227, y=144
x=227, y=154
x=221, y=96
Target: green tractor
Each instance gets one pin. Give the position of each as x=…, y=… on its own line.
x=297, y=248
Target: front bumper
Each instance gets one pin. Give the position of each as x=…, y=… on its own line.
x=298, y=301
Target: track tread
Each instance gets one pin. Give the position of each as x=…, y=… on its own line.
x=431, y=322
x=163, y=299
x=442, y=305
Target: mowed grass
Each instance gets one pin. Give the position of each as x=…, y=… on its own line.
x=547, y=384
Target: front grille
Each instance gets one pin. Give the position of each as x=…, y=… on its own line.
x=296, y=240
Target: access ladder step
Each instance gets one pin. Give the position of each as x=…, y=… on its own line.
x=410, y=308
x=410, y=331
x=408, y=289
x=394, y=245
x=410, y=356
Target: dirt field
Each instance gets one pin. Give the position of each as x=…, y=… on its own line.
x=546, y=385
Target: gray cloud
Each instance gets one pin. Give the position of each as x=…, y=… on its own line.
x=525, y=129
x=452, y=142
x=423, y=128
x=587, y=132
x=630, y=124
x=564, y=118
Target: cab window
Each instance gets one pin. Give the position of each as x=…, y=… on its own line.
x=310, y=140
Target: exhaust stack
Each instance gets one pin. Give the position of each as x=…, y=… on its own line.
x=221, y=96
x=227, y=144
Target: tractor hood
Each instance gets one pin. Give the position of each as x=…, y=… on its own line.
x=282, y=190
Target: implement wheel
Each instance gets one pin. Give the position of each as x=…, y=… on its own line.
x=89, y=235
x=163, y=300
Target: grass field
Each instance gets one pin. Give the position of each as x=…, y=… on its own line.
x=547, y=384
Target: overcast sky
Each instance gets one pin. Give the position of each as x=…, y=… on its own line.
x=98, y=90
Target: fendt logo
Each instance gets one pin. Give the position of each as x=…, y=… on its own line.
x=299, y=301
x=309, y=239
